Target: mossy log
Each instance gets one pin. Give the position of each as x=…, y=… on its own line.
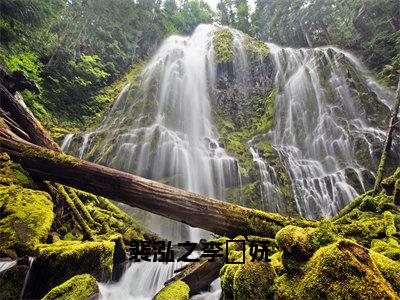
x=195, y=210
x=87, y=233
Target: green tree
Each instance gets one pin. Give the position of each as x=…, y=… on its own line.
x=242, y=16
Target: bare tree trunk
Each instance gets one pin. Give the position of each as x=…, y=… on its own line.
x=388, y=141
x=25, y=119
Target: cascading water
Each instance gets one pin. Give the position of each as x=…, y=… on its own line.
x=7, y=264
x=179, y=145
x=141, y=281
x=270, y=195
x=162, y=129
x=317, y=121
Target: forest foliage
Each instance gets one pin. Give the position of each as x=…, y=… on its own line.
x=74, y=48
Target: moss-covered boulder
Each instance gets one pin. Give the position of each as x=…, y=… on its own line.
x=79, y=287
x=276, y=263
x=255, y=48
x=178, y=290
x=254, y=280
x=227, y=274
x=296, y=241
x=342, y=270
x=60, y=261
x=390, y=269
x=26, y=218
x=244, y=278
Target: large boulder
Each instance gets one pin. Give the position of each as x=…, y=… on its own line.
x=62, y=260
x=342, y=270
x=26, y=218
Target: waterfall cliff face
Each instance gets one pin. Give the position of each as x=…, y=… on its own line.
x=321, y=122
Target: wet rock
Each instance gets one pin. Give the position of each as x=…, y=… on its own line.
x=12, y=281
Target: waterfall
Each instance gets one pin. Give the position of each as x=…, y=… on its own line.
x=160, y=127
x=270, y=195
x=7, y=264
x=67, y=142
x=168, y=135
x=317, y=123
x=26, y=279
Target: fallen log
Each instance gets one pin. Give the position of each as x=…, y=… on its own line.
x=198, y=275
x=195, y=210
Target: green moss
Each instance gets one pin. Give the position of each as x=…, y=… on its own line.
x=88, y=120
x=60, y=261
x=397, y=192
x=26, y=218
x=223, y=46
x=79, y=287
x=390, y=227
x=178, y=290
x=227, y=274
x=248, y=193
x=13, y=173
x=82, y=208
x=390, y=269
x=388, y=183
x=69, y=203
x=363, y=231
x=254, y=280
x=389, y=247
x=255, y=48
x=276, y=262
x=296, y=241
x=103, y=212
x=343, y=270
x=324, y=235
x=286, y=287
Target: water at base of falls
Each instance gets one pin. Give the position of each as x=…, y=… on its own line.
x=140, y=281
x=143, y=280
